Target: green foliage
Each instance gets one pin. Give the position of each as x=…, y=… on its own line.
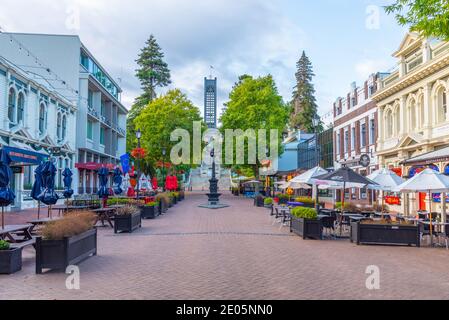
x=304, y=213
x=268, y=201
x=160, y=118
x=152, y=204
x=4, y=245
x=283, y=196
x=152, y=73
x=428, y=17
x=254, y=103
x=304, y=107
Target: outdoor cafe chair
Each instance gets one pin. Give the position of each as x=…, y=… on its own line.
x=424, y=230
x=328, y=223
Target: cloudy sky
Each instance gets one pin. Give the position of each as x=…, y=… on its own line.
x=345, y=39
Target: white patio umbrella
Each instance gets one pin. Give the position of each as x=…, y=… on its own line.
x=294, y=185
x=387, y=180
x=429, y=181
x=149, y=184
x=143, y=183
x=308, y=176
x=125, y=183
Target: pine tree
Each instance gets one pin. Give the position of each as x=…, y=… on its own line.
x=153, y=73
x=304, y=107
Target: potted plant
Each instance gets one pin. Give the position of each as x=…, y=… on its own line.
x=164, y=202
x=150, y=210
x=10, y=258
x=182, y=195
x=385, y=233
x=66, y=241
x=127, y=219
x=305, y=223
x=268, y=203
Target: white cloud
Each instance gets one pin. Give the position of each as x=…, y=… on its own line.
x=246, y=36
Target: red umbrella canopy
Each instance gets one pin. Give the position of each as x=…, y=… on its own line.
x=154, y=182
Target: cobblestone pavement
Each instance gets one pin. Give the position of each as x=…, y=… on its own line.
x=234, y=253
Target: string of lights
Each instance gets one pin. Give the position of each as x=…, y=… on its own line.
x=53, y=77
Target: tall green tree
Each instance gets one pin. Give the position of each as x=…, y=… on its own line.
x=160, y=118
x=304, y=106
x=153, y=73
x=428, y=17
x=254, y=103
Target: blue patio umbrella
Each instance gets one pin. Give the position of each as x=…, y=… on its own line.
x=6, y=194
x=103, y=191
x=37, y=189
x=117, y=179
x=49, y=196
x=68, y=191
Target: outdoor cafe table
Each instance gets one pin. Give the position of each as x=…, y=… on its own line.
x=62, y=208
x=23, y=231
x=105, y=214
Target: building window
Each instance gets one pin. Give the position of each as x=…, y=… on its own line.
x=102, y=136
x=90, y=98
x=372, y=132
x=90, y=130
x=442, y=105
x=337, y=143
x=20, y=107
x=363, y=135
x=353, y=138
x=42, y=124
x=11, y=104
x=64, y=126
x=346, y=141
x=58, y=126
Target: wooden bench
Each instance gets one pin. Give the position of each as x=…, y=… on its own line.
x=23, y=244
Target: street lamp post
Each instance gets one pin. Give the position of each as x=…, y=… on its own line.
x=138, y=136
x=316, y=122
x=164, y=152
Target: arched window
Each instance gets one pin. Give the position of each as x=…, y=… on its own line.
x=20, y=107
x=42, y=118
x=11, y=104
x=421, y=112
x=389, y=124
x=58, y=126
x=64, y=126
x=412, y=116
x=441, y=105
x=397, y=121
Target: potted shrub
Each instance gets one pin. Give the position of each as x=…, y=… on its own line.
x=182, y=195
x=258, y=201
x=66, y=241
x=268, y=203
x=164, y=202
x=150, y=210
x=10, y=258
x=127, y=219
x=305, y=223
x=385, y=233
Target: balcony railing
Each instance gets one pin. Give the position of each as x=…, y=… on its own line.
x=92, y=112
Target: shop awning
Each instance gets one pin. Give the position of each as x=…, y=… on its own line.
x=94, y=166
x=428, y=158
x=25, y=156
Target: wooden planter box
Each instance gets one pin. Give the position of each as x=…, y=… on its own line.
x=178, y=198
x=259, y=202
x=149, y=212
x=385, y=234
x=175, y=200
x=59, y=254
x=10, y=261
x=127, y=223
x=307, y=229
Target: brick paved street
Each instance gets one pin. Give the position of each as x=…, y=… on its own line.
x=234, y=253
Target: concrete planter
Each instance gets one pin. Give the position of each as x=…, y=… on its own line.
x=10, y=261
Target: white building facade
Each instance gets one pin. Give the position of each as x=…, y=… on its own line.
x=64, y=64
x=36, y=123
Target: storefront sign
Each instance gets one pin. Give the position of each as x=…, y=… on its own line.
x=365, y=160
x=437, y=198
x=391, y=200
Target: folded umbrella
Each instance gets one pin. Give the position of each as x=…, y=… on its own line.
x=49, y=196
x=103, y=175
x=6, y=194
x=68, y=191
x=117, y=180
